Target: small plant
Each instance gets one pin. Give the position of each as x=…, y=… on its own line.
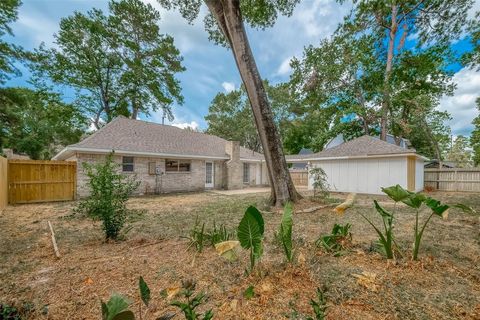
x=109, y=192
x=319, y=306
x=285, y=232
x=338, y=240
x=200, y=237
x=197, y=236
x=117, y=309
x=8, y=312
x=250, y=234
x=192, y=302
x=220, y=234
x=320, y=183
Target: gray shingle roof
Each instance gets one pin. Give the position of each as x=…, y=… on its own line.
x=141, y=136
x=362, y=146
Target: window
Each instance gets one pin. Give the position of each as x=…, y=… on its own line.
x=177, y=166
x=246, y=173
x=127, y=164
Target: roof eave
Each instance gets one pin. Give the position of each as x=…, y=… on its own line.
x=369, y=156
x=134, y=153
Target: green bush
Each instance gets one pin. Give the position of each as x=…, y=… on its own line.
x=109, y=192
x=320, y=183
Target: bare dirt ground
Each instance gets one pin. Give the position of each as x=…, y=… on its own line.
x=444, y=284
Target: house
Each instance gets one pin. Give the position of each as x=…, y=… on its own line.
x=10, y=154
x=168, y=159
x=365, y=164
x=434, y=164
x=301, y=165
x=339, y=139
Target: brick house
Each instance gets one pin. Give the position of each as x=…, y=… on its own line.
x=168, y=159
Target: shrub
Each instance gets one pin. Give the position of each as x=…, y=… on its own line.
x=200, y=237
x=285, y=232
x=320, y=183
x=109, y=192
x=338, y=240
x=250, y=234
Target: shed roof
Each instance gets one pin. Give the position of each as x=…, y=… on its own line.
x=364, y=146
x=141, y=137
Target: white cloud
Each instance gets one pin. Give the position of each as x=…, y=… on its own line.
x=28, y=25
x=461, y=105
x=183, y=125
x=228, y=86
x=285, y=67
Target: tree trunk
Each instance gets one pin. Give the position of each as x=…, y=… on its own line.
x=388, y=70
x=228, y=16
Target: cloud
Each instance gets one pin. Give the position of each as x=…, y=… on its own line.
x=28, y=24
x=228, y=86
x=461, y=105
x=183, y=125
x=285, y=68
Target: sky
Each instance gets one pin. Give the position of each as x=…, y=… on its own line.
x=211, y=69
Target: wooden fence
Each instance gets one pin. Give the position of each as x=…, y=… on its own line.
x=455, y=179
x=41, y=181
x=299, y=177
x=3, y=183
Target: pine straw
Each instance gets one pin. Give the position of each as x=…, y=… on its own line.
x=445, y=284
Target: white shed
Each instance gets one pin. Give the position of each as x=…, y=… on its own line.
x=365, y=165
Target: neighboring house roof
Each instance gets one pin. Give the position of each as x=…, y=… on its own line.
x=445, y=164
x=362, y=147
x=301, y=165
x=136, y=137
x=339, y=139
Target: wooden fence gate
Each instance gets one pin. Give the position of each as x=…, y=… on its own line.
x=299, y=177
x=456, y=179
x=41, y=181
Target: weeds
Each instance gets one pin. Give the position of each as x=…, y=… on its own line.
x=337, y=241
x=200, y=237
x=192, y=302
x=319, y=305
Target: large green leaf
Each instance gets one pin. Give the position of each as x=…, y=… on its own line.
x=436, y=206
x=124, y=315
x=384, y=213
x=414, y=200
x=286, y=230
x=396, y=193
x=250, y=231
x=144, y=291
x=115, y=306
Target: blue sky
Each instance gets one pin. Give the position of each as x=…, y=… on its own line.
x=211, y=68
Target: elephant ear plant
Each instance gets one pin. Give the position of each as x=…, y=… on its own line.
x=285, y=231
x=414, y=201
x=386, y=239
x=250, y=234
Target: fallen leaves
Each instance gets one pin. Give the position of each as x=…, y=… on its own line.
x=367, y=279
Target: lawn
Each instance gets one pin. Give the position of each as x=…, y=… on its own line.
x=444, y=284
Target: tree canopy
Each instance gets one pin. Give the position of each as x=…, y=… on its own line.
x=119, y=64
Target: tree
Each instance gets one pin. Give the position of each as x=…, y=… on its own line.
x=225, y=23
x=475, y=137
x=459, y=154
x=119, y=64
x=8, y=52
x=37, y=122
x=230, y=115
x=433, y=21
x=472, y=58
x=150, y=59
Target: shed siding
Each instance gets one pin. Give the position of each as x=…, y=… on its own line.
x=363, y=175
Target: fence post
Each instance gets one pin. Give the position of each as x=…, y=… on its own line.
x=456, y=179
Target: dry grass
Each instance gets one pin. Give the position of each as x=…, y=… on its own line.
x=445, y=284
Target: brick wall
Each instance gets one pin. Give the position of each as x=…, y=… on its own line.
x=168, y=182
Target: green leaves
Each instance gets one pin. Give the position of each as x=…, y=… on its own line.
x=250, y=233
x=414, y=200
x=249, y=293
x=116, y=309
x=436, y=206
x=286, y=231
x=396, y=193
x=144, y=291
